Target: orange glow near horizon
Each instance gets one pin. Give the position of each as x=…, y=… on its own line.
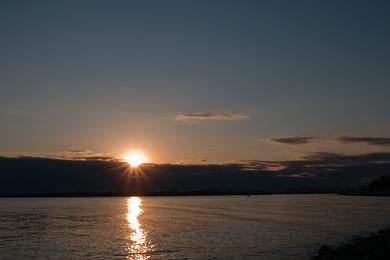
x=135, y=158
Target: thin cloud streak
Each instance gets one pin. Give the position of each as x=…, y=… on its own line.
x=218, y=116
x=293, y=140
x=78, y=155
x=298, y=140
x=368, y=140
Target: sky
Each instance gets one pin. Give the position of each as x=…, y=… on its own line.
x=195, y=81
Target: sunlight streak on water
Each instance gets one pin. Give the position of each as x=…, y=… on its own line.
x=138, y=246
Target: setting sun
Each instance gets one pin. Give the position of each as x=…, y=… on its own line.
x=135, y=158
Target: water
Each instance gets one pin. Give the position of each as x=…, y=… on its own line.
x=220, y=227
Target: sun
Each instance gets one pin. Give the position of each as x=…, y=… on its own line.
x=135, y=158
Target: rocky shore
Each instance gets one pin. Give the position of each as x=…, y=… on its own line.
x=375, y=247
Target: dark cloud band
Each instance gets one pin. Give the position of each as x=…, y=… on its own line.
x=293, y=140
x=379, y=141
x=211, y=116
x=368, y=140
x=51, y=176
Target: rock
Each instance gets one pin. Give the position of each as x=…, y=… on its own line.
x=375, y=247
x=325, y=250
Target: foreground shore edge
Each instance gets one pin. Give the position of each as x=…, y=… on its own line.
x=375, y=246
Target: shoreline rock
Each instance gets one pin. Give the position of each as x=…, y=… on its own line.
x=375, y=246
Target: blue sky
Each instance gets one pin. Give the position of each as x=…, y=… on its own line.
x=108, y=76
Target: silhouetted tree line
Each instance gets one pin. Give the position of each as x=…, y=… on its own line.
x=381, y=184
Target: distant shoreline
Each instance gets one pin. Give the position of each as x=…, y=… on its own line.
x=154, y=194
x=114, y=194
x=179, y=193
x=367, y=193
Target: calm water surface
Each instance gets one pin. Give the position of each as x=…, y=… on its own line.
x=220, y=227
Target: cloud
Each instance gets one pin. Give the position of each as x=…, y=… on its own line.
x=368, y=140
x=297, y=140
x=83, y=155
x=315, y=172
x=219, y=116
x=293, y=140
x=340, y=159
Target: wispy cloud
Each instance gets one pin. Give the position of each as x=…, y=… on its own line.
x=368, y=140
x=297, y=140
x=293, y=140
x=84, y=155
x=218, y=116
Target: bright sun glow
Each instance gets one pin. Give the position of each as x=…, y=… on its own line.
x=135, y=158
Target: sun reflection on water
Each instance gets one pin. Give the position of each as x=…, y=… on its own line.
x=138, y=246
